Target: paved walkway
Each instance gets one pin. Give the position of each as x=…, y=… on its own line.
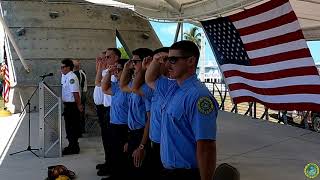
x=259, y=149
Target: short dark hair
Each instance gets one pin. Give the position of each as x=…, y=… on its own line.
x=115, y=51
x=68, y=62
x=122, y=62
x=163, y=49
x=142, y=52
x=188, y=48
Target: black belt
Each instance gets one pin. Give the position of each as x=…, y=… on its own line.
x=69, y=103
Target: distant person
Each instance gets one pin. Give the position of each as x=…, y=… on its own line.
x=82, y=77
x=72, y=106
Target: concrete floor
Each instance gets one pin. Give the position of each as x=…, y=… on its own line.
x=259, y=149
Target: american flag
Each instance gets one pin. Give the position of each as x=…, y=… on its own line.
x=264, y=57
x=6, y=84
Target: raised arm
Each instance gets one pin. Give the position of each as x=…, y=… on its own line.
x=139, y=80
x=153, y=73
x=106, y=81
x=126, y=78
x=99, y=73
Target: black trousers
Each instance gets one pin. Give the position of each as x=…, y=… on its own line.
x=72, y=122
x=185, y=174
x=155, y=160
x=83, y=114
x=104, y=122
x=135, y=137
x=118, y=158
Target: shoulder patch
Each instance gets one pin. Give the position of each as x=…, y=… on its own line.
x=205, y=105
x=72, y=81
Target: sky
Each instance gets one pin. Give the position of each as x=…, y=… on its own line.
x=166, y=33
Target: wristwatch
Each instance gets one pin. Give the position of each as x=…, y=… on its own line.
x=141, y=146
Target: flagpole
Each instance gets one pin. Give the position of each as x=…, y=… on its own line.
x=14, y=44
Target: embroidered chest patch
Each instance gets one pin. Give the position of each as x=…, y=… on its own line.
x=71, y=81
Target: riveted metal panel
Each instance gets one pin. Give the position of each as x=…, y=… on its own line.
x=83, y=16
x=60, y=43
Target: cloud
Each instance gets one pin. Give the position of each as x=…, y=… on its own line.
x=169, y=29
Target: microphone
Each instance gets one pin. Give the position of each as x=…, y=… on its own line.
x=46, y=75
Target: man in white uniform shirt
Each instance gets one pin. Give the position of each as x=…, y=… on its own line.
x=111, y=57
x=72, y=106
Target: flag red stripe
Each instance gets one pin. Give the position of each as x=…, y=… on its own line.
x=257, y=10
x=301, y=71
x=298, y=89
x=289, y=37
x=285, y=19
x=297, y=54
x=282, y=106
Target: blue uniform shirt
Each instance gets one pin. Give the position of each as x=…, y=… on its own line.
x=189, y=115
x=137, y=112
x=158, y=96
x=119, y=105
x=148, y=93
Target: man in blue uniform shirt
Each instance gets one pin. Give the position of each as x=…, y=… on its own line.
x=119, y=121
x=137, y=115
x=188, y=126
x=156, y=98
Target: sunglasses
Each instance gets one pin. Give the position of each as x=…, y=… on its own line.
x=136, y=61
x=174, y=59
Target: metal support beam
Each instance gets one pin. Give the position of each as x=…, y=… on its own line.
x=177, y=32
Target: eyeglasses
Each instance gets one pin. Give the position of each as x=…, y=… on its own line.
x=174, y=59
x=63, y=67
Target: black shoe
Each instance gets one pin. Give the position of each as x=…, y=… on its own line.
x=100, y=166
x=70, y=150
x=103, y=172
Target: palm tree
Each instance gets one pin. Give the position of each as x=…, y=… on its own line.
x=193, y=36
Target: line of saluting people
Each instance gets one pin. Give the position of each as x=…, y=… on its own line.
x=157, y=119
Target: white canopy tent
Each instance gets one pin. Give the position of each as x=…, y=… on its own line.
x=308, y=11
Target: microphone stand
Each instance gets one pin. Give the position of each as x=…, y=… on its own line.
x=29, y=123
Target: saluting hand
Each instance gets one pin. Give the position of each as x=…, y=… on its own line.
x=112, y=69
x=98, y=61
x=128, y=65
x=146, y=62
